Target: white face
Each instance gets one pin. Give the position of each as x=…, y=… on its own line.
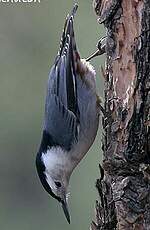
x=55, y=171
x=57, y=184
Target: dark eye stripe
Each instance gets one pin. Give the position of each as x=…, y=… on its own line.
x=40, y=169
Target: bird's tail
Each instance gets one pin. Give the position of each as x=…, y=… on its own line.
x=65, y=65
x=68, y=30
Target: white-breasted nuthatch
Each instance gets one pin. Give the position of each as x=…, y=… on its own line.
x=71, y=117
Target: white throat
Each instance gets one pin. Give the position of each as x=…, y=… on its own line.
x=57, y=158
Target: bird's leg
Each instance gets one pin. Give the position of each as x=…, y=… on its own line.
x=100, y=49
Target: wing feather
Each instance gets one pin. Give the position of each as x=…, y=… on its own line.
x=60, y=123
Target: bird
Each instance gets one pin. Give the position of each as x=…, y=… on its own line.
x=71, y=119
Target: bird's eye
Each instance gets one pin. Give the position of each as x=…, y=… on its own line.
x=58, y=184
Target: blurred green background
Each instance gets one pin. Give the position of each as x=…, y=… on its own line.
x=29, y=39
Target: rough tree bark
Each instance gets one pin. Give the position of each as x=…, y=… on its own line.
x=124, y=186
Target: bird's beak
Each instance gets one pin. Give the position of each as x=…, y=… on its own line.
x=65, y=209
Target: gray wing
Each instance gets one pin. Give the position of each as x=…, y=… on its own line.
x=62, y=77
x=60, y=123
x=61, y=109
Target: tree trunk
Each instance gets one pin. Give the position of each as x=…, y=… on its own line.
x=124, y=186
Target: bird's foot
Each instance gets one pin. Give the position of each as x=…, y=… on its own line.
x=101, y=49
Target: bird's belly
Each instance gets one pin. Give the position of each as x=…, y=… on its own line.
x=85, y=142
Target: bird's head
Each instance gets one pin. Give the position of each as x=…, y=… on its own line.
x=54, y=178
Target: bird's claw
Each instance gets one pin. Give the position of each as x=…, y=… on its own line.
x=101, y=49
